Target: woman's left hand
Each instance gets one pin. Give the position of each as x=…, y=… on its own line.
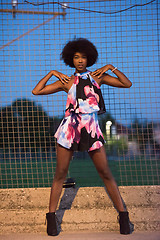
x=99, y=72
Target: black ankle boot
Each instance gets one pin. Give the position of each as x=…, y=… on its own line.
x=126, y=227
x=51, y=224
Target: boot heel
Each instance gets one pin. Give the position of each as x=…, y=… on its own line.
x=51, y=224
x=126, y=227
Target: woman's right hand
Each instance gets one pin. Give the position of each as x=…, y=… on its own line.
x=62, y=77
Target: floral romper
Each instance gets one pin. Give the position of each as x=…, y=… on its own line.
x=79, y=130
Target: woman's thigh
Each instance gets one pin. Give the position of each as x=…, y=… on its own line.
x=64, y=156
x=100, y=161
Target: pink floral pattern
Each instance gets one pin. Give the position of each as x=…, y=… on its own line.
x=77, y=126
x=80, y=130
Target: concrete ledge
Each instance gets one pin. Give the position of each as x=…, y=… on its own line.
x=23, y=210
x=84, y=235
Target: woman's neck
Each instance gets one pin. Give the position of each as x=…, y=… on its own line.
x=83, y=71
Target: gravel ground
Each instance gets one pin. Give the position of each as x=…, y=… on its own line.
x=85, y=236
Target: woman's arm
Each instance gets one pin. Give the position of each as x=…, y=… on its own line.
x=120, y=81
x=42, y=89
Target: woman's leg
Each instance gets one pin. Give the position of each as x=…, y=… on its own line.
x=100, y=161
x=63, y=159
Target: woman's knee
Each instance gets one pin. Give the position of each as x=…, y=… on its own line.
x=60, y=174
x=105, y=174
x=63, y=159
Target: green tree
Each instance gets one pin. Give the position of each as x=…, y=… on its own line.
x=25, y=126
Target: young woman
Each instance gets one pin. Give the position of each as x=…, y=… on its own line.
x=79, y=130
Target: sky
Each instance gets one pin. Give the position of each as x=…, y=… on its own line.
x=128, y=40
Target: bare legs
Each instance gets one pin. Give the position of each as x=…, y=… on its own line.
x=63, y=159
x=100, y=161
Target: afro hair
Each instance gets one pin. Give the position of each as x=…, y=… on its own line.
x=81, y=45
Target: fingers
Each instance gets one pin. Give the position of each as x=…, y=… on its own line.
x=98, y=73
x=64, y=78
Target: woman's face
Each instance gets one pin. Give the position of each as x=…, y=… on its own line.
x=80, y=62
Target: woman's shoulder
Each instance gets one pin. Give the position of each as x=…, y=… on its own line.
x=68, y=85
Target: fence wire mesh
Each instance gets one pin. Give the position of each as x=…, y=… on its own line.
x=33, y=34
